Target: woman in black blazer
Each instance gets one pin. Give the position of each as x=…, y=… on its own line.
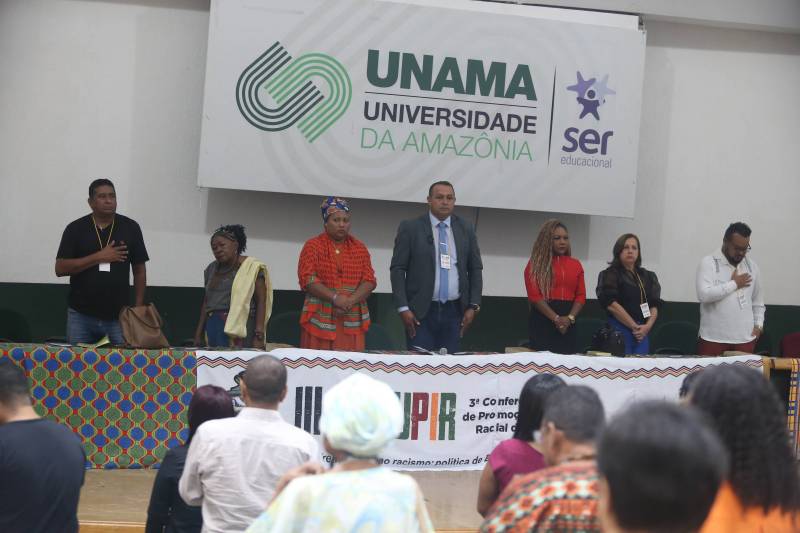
x=630, y=295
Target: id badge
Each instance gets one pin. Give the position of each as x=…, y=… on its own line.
x=444, y=261
x=645, y=310
x=104, y=267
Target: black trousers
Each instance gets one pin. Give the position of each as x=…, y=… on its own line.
x=543, y=333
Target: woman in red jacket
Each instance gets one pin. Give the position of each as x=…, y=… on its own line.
x=556, y=290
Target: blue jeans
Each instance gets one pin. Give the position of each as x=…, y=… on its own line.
x=440, y=328
x=88, y=329
x=632, y=346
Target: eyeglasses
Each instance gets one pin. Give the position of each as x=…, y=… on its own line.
x=741, y=250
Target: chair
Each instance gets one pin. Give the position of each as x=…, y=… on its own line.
x=764, y=344
x=677, y=337
x=585, y=328
x=14, y=326
x=284, y=328
x=378, y=338
x=790, y=345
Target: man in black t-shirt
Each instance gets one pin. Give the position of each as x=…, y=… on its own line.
x=41, y=463
x=97, y=252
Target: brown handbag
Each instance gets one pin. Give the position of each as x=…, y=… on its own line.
x=141, y=327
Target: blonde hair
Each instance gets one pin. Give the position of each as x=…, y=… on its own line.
x=542, y=256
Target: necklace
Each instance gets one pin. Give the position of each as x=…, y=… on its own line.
x=97, y=232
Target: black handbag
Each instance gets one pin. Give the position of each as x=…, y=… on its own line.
x=609, y=340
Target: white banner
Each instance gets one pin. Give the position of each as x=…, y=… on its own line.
x=520, y=107
x=457, y=408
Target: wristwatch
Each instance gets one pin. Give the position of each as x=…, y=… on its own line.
x=571, y=318
x=475, y=307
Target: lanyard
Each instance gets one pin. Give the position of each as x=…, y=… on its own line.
x=642, y=295
x=99, y=241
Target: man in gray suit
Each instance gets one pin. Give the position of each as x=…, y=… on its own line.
x=436, y=274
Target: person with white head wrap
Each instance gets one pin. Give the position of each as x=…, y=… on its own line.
x=360, y=417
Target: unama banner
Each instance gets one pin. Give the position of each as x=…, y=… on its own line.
x=456, y=408
x=520, y=107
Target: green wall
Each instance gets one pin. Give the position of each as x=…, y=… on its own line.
x=37, y=311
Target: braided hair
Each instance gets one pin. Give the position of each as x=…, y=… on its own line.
x=744, y=408
x=542, y=256
x=234, y=232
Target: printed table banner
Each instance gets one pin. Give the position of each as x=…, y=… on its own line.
x=520, y=107
x=457, y=408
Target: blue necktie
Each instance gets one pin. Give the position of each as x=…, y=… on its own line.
x=442, y=271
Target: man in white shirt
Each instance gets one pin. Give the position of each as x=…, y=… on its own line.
x=234, y=464
x=731, y=300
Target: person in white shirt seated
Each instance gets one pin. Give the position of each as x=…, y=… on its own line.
x=234, y=464
x=731, y=300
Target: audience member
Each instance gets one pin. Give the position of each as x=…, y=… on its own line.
x=167, y=512
x=762, y=492
x=660, y=468
x=335, y=272
x=556, y=290
x=731, y=301
x=630, y=294
x=238, y=298
x=437, y=299
x=519, y=454
x=686, y=386
x=97, y=252
x=564, y=496
x=41, y=463
x=360, y=417
x=234, y=464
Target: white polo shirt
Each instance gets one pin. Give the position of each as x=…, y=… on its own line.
x=233, y=465
x=728, y=314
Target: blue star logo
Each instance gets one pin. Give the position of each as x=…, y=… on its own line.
x=591, y=94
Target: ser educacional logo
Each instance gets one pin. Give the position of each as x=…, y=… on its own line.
x=292, y=86
x=591, y=96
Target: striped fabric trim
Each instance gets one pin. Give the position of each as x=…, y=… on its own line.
x=352, y=364
x=794, y=409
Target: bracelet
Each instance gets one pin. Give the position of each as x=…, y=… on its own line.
x=556, y=319
x=258, y=334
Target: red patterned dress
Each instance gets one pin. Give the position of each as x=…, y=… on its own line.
x=561, y=498
x=342, y=267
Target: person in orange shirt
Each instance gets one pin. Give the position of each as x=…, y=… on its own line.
x=335, y=272
x=556, y=290
x=762, y=492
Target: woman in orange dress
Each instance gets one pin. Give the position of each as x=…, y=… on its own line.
x=335, y=271
x=762, y=492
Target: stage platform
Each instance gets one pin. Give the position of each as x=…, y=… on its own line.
x=115, y=501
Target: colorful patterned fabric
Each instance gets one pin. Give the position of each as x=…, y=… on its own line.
x=128, y=406
x=332, y=204
x=376, y=500
x=561, y=498
x=794, y=407
x=338, y=266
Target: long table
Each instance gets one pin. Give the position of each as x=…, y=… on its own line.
x=129, y=406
